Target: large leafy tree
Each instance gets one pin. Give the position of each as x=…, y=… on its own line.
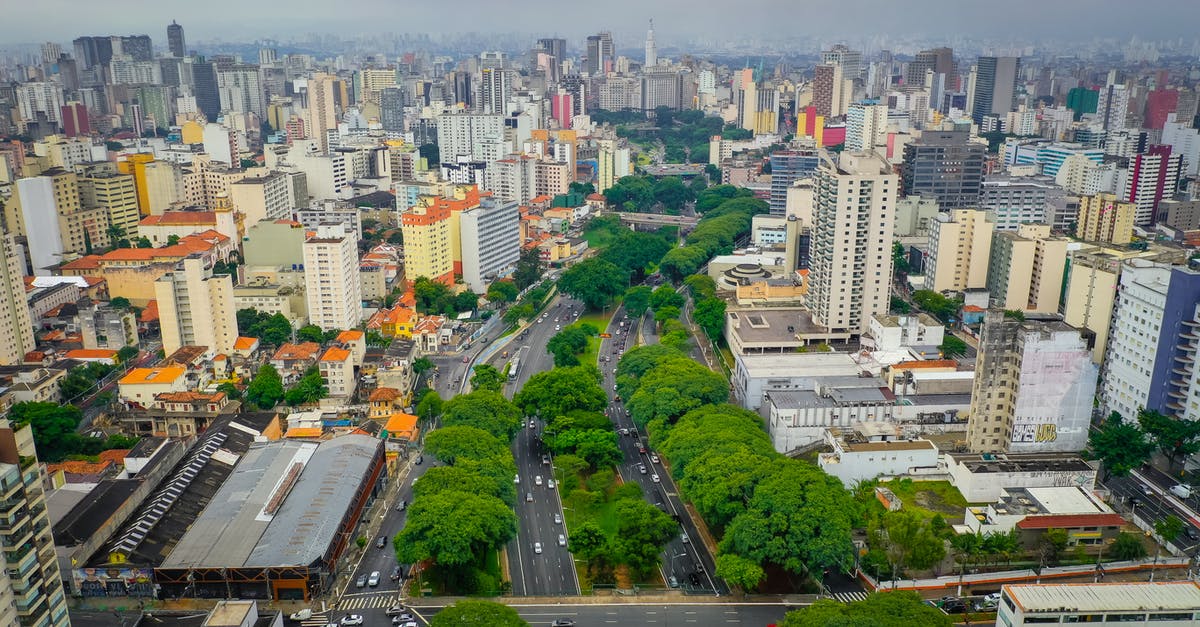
x=271, y=329
x=567, y=345
x=681, y=262
x=710, y=315
x=594, y=281
x=430, y=405
x=910, y=541
x=529, y=268
x=739, y=571
x=556, y=392
x=1175, y=439
x=483, y=409
x=53, y=426
x=470, y=613
x=1121, y=446
x=666, y=296
x=502, y=292
x=450, y=443
x=597, y=446
x=721, y=480
x=309, y=389
x=588, y=541
x=453, y=527
x=642, y=531
x=452, y=479
x=899, y=608
x=635, y=250
x=487, y=377
x=266, y=389
x=432, y=297
x=673, y=388
x=637, y=300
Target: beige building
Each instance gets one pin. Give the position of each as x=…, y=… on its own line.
x=1026, y=270
x=16, y=326
x=140, y=386
x=46, y=211
x=1105, y=218
x=337, y=368
x=196, y=307
x=159, y=228
x=102, y=186
x=960, y=245
x=851, y=262
x=31, y=590
x=915, y=216
x=331, y=278
x=262, y=198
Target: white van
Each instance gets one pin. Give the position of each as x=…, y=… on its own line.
x=1181, y=491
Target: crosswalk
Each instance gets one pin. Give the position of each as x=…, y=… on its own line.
x=317, y=620
x=367, y=601
x=850, y=597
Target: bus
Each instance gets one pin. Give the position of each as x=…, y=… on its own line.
x=512, y=368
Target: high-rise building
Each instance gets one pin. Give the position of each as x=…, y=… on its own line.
x=946, y=166
x=494, y=89
x=49, y=215
x=1159, y=103
x=1017, y=200
x=1184, y=140
x=600, y=54
x=866, y=126
x=938, y=61
x=851, y=61
x=1150, y=178
x=1151, y=359
x=75, y=121
x=432, y=235
x=44, y=98
x=661, y=87
x=239, y=88
x=827, y=89
x=491, y=242
x=371, y=81
x=1081, y=100
x=612, y=163
x=1105, y=218
x=333, y=286
x=851, y=259
x=195, y=306
x=175, y=41
x=16, y=326
x=101, y=185
x=960, y=246
x=995, y=86
x=478, y=137
x=1034, y=387
x=1113, y=107
x=391, y=109
x=204, y=88
x=651, y=48
x=787, y=167
x=1026, y=269
x=31, y=590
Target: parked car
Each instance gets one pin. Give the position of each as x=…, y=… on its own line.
x=563, y=622
x=352, y=619
x=396, y=610
x=672, y=581
x=373, y=580
x=396, y=573
x=361, y=582
x=304, y=614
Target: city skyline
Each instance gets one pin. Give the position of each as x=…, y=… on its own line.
x=678, y=21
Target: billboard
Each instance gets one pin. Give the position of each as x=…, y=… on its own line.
x=1054, y=400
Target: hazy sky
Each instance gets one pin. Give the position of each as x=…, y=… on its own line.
x=23, y=21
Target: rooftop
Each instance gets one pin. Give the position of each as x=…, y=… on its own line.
x=156, y=376
x=1032, y=462
x=1105, y=597
x=792, y=365
x=774, y=325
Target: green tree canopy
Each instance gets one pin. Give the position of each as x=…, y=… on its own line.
x=453, y=527
x=453, y=479
x=421, y=365
x=432, y=296
x=674, y=387
x=1120, y=446
x=637, y=300
x=451, y=443
x=1175, y=439
x=471, y=613
x=710, y=315
x=266, y=389
x=308, y=390
x=53, y=427
x=567, y=345
x=666, y=296
x=897, y=608
x=270, y=329
x=642, y=531
x=430, y=405
x=502, y=292
x=559, y=391
x=529, y=268
x=739, y=571
x=483, y=409
x=952, y=346
x=487, y=377
x=594, y=281
x=633, y=251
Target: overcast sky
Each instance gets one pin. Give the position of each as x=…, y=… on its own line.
x=23, y=21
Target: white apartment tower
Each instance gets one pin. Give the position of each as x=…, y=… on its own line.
x=195, y=306
x=331, y=278
x=477, y=137
x=851, y=259
x=491, y=242
x=15, y=323
x=866, y=126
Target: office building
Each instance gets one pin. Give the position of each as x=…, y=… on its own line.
x=787, y=167
x=1151, y=358
x=101, y=185
x=239, y=88
x=960, y=245
x=1105, y=218
x=175, y=41
x=1026, y=269
x=1150, y=178
x=491, y=242
x=995, y=86
x=31, y=589
x=945, y=166
x=851, y=259
x=851, y=61
x=15, y=322
x=1033, y=389
x=204, y=88
x=55, y=225
x=195, y=306
x=1017, y=200
x=937, y=60
x=866, y=126
x=600, y=58
x=661, y=87
x=75, y=121
x=332, y=282
x=495, y=85
x=1159, y=603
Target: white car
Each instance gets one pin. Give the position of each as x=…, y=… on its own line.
x=562, y=540
x=537, y=548
x=550, y=483
x=558, y=519
x=517, y=479
x=654, y=478
x=537, y=480
x=653, y=458
x=683, y=537
x=352, y=619
x=374, y=579
x=532, y=424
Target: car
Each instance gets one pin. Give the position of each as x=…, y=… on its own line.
x=623, y=431
x=954, y=607
x=562, y=540
x=529, y=497
x=563, y=622
x=373, y=580
x=303, y=614
x=466, y=359
x=1191, y=533
x=401, y=621
x=642, y=468
x=380, y=542
x=395, y=573
x=683, y=537
x=604, y=358
x=653, y=458
x=654, y=478
x=672, y=581
x=402, y=505
x=557, y=518
x=537, y=548
x=990, y=601
x=517, y=479
x=614, y=387
x=641, y=448
x=361, y=582
x=545, y=460
x=537, y=480
x=550, y=483
x=558, y=327
x=694, y=578
x=420, y=460
x=614, y=371
x=396, y=610
x=352, y=619
x=1147, y=490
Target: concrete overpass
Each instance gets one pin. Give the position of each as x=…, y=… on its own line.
x=658, y=219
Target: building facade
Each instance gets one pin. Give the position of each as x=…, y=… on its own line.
x=960, y=246
x=1105, y=218
x=491, y=242
x=195, y=307
x=331, y=278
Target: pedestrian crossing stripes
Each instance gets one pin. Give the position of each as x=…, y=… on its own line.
x=850, y=597
x=367, y=601
x=317, y=620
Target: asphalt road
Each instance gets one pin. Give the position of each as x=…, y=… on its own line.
x=700, y=614
x=1145, y=494
x=681, y=560
x=552, y=572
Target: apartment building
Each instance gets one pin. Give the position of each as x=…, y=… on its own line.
x=1105, y=218
x=1017, y=200
x=195, y=307
x=102, y=186
x=1026, y=269
x=331, y=278
x=46, y=211
x=15, y=322
x=1033, y=388
x=491, y=242
x=960, y=245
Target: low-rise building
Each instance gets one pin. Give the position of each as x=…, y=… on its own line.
x=292, y=360
x=863, y=453
x=754, y=375
x=337, y=368
x=1031, y=511
x=1158, y=603
x=775, y=330
x=982, y=477
x=140, y=386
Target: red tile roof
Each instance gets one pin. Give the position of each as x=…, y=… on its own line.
x=1071, y=521
x=180, y=217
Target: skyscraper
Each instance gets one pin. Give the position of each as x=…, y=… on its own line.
x=651, y=50
x=195, y=307
x=788, y=166
x=851, y=259
x=940, y=60
x=995, y=86
x=866, y=126
x=494, y=87
x=945, y=166
x=175, y=42
x=331, y=278
x=204, y=88
x=599, y=54
x=16, y=326
x=827, y=90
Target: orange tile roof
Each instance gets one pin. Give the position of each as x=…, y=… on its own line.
x=189, y=397
x=292, y=352
x=379, y=395
x=114, y=455
x=304, y=432
x=1071, y=521
x=245, y=343
x=160, y=375
x=540, y=199
x=595, y=196
x=402, y=424
x=91, y=353
x=931, y=363
x=79, y=467
x=93, y=281
x=334, y=353
x=350, y=336
x=180, y=218
x=150, y=313
x=87, y=262
x=972, y=308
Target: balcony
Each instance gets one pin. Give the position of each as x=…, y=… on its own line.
x=1179, y=394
